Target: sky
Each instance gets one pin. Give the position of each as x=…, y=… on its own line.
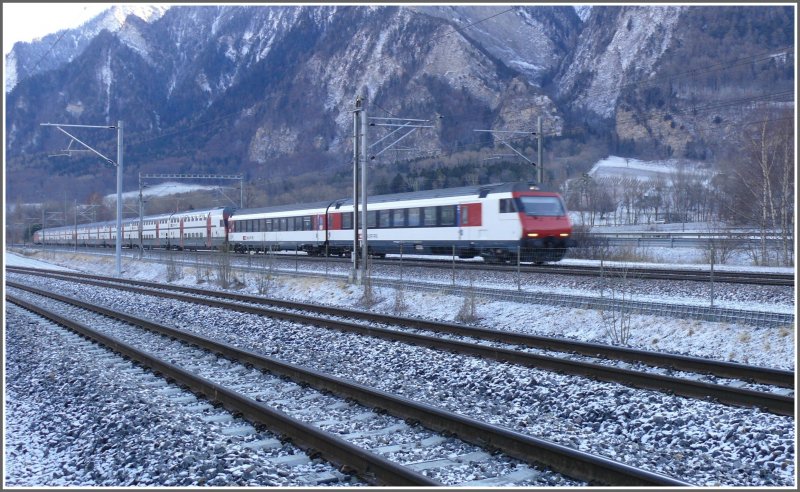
x=27, y=21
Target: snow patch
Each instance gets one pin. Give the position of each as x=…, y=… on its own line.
x=160, y=190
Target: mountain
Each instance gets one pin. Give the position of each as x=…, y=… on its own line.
x=57, y=49
x=269, y=91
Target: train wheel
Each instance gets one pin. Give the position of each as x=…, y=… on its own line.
x=493, y=259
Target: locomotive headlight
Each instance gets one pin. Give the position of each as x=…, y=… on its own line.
x=533, y=234
x=564, y=234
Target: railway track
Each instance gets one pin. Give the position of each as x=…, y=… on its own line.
x=318, y=422
x=134, y=400
x=504, y=347
x=693, y=275
x=700, y=275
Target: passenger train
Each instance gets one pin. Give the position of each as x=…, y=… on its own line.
x=500, y=222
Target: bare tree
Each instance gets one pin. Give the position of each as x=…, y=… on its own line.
x=224, y=268
x=468, y=312
x=616, y=287
x=763, y=183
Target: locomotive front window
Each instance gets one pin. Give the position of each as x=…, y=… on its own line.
x=546, y=206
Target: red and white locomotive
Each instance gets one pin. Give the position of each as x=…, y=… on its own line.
x=497, y=222
x=500, y=222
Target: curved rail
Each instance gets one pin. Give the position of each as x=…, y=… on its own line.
x=371, y=467
x=779, y=404
x=765, y=375
x=655, y=273
x=566, y=460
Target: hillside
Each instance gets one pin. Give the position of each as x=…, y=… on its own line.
x=268, y=92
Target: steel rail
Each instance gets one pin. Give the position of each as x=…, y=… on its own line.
x=720, y=276
x=369, y=466
x=780, y=404
x=764, y=375
x=571, y=462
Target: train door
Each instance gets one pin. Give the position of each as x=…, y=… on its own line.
x=470, y=222
x=319, y=228
x=180, y=233
x=208, y=230
x=509, y=223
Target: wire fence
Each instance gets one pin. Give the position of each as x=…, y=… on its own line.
x=498, y=286
x=460, y=282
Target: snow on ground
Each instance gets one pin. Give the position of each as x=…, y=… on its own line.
x=161, y=189
x=12, y=259
x=764, y=346
x=642, y=170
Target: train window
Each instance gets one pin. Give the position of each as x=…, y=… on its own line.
x=447, y=215
x=347, y=220
x=413, y=217
x=372, y=219
x=507, y=206
x=429, y=216
x=307, y=223
x=269, y=225
x=384, y=219
x=548, y=206
x=399, y=217
x=284, y=224
x=464, y=215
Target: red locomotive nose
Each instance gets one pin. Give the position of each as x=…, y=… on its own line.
x=543, y=216
x=545, y=227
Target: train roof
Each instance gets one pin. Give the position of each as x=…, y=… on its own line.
x=128, y=220
x=284, y=208
x=477, y=191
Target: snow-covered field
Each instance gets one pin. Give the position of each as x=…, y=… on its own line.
x=161, y=189
x=641, y=170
